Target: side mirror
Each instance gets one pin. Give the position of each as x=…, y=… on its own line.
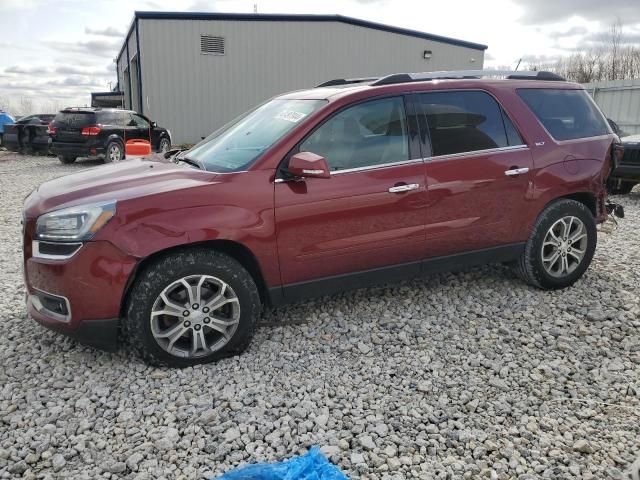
x=308, y=165
x=154, y=124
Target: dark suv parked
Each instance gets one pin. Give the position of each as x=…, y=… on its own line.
x=103, y=132
x=318, y=191
x=627, y=172
x=29, y=134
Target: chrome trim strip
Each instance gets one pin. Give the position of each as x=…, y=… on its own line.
x=40, y=308
x=369, y=167
x=478, y=152
x=423, y=160
x=35, y=251
x=376, y=167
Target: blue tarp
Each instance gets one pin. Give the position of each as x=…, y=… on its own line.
x=311, y=466
x=5, y=118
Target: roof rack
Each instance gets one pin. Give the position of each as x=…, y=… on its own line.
x=80, y=108
x=462, y=74
x=346, y=81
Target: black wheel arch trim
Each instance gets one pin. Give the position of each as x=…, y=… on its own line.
x=235, y=250
x=114, y=137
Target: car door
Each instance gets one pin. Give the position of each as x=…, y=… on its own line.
x=370, y=212
x=142, y=128
x=478, y=174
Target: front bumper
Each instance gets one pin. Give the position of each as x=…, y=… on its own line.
x=627, y=171
x=91, y=284
x=102, y=334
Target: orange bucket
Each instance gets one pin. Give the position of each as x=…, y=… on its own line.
x=137, y=148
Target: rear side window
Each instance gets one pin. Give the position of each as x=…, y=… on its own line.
x=464, y=121
x=566, y=114
x=114, y=118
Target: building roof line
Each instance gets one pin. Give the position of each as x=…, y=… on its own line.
x=275, y=17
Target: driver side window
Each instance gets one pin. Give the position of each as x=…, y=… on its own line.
x=140, y=122
x=367, y=134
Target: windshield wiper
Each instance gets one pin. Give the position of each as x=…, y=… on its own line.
x=190, y=161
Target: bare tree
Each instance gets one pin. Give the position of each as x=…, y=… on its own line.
x=26, y=106
x=5, y=103
x=615, y=39
x=610, y=59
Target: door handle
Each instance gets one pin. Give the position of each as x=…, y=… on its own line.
x=514, y=172
x=404, y=188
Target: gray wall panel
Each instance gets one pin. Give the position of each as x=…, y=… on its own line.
x=193, y=94
x=620, y=101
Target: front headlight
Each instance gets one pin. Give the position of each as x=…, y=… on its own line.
x=75, y=223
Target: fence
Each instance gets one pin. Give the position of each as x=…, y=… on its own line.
x=620, y=101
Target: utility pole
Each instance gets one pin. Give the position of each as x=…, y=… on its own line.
x=255, y=8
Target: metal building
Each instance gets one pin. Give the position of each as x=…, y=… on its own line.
x=620, y=101
x=193, y=72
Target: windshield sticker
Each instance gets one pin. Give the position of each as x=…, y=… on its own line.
x=290, y=116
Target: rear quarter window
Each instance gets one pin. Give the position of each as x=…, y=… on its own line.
x=566, y=114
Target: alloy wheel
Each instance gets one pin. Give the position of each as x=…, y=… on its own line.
x=564, y=246
x=114, y=153
x=195, y=316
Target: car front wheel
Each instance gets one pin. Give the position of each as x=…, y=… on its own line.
x=561, y=246
x=165, y=145
x=192, y=307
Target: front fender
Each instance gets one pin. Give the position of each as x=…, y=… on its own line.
x=239, y=208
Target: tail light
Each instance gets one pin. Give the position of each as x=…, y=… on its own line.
x=90, y=131
x=51, y=130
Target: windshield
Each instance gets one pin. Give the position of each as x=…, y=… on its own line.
x=236, y=145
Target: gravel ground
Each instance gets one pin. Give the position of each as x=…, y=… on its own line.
x=470, y=375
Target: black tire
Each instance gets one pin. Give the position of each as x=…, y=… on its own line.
x=157, y=276
x=623, y=187
x=164, y=145
x=66, y=159
x=109, y=155
x=530, y=266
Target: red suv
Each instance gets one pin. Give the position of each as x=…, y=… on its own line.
x=352, y=183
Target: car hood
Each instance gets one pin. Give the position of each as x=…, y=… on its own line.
x=118, y=181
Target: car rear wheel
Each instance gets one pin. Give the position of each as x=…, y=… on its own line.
x=561, y=246
x=192, y=307
x=66, y=159
x=114, y=152
x=165, y=145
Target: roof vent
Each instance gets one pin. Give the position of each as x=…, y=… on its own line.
x=210, y=45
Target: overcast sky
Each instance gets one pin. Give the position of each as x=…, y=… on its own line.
x=56, y=52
